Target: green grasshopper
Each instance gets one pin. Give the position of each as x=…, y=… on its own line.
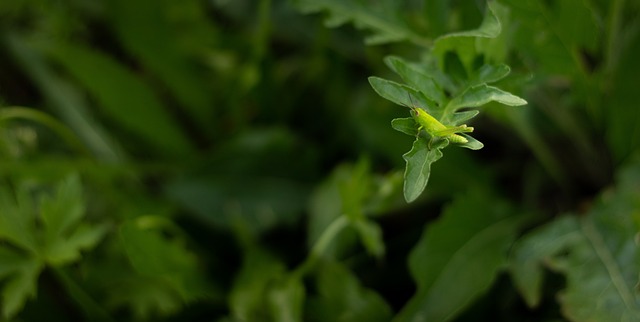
x=435, y=128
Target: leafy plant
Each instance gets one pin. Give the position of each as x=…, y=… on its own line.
x=40, y=232
x=236, y=165
x=440, y=98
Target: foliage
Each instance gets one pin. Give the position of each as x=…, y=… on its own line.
x=229, y=161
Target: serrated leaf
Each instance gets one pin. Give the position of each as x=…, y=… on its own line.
x=21, y=286
x=417, y=79
x=342, y=298
x=67, y=249
x=65, y=210
x=400, y=94
x=16, y=219
x=60, y=215
x=482, y=94
x=464, y=42
x=597, y=253
x=459, y=256
x=51, y=238
x=384, y=27
x=405, y=125
x=419, y=160
x=152, y=254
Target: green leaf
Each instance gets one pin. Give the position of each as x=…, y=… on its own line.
x=490, y=74
x=61, y=213
x=419, y=160
x=67, y=249
x=542, y=243
x=325, y=206
x=51, y=238
x=248, y=297
x=464, y=42
x=145, y=29
x=21, y=286
x=371, y=236
x=461, y=117
x=471, y=144
x=16, y=219
x=400, y=94
x=152, y=254
x=67, y=102
x=21, y=276
x=64, y=210
x=140, y=111
x=417, y=79
x=621, y=112
x=249, y=184
x=355, y=189
x=459, y=256
x=405, y=125
x=145, y=296
x=384, y=26
x=597, y=253
x=482, y=94
x=341, y=298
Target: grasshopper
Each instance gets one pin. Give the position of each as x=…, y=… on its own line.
x=436, y=129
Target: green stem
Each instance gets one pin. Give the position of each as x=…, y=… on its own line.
x=17, y=112
x=321, y=245
x=89, y=306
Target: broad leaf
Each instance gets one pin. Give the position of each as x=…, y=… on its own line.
x=145, y=29
x=417, y=79
x=140, y=111
x=459, y=256
x=400, y=94
x=461, y=117
x=490, y=74
x=419, y=160
x=597, y=253
x=482, y=94
x=405, y=125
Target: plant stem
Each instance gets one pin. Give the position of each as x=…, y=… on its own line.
x=17, y=112
x=321, y=245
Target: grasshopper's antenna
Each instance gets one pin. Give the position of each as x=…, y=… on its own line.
x=413, y=105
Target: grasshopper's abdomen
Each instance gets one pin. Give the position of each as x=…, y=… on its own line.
x=455, y=138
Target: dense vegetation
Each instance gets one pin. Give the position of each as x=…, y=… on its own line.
x=247, y=160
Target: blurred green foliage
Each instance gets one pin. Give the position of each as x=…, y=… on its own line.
x=229, y=161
